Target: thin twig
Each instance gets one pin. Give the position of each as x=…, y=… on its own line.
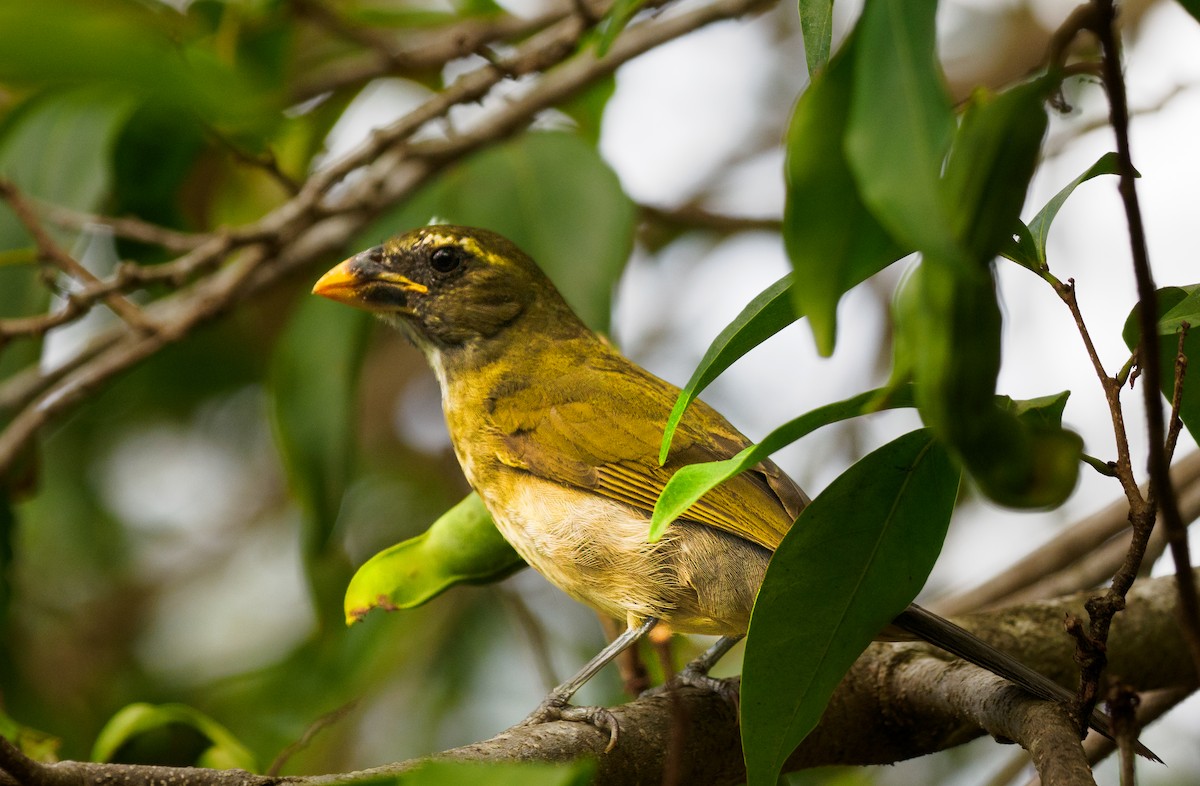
x=1161, y=491
x=51, y=252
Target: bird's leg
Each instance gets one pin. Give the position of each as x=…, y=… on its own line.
x=695, y=673
x=555, y=706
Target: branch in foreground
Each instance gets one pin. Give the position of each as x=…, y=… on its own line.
x=897, y=702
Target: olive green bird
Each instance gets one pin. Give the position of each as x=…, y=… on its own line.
x=559, y=434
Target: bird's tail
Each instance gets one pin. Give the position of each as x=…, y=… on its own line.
x=956, y=640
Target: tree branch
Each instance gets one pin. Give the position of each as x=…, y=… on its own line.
x=899, y=700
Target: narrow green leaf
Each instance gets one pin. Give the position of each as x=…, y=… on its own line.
x=768, y=313
x=857, y=556
x=900, y=123
x=816, y=25
x=833, y=241
x=462, y=547
x=692, y=482
x=1176, y=305
x=312, y=395
x=170, y=735
x=614, y=22
x=1039, y=227
x=991, y=163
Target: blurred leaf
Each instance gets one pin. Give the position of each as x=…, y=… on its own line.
x=690, y=483
x=462, y=547
x=550, y=193
x=614, y=22
x=37, y=745
x=816, y=24
x=833, y=241
x=900, y=123
x=864, y=548
x=1031, y=252
x=57, y=146
x=991, y=163
x=947, y=322
x=133, y=47
x=587, y=107
x=170, y=735
x=1175, y=306
x=313, y=386
x=768, y=313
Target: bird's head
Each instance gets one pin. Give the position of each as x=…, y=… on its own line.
x=446, y=286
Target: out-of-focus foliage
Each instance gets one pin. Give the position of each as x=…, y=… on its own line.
x=187, y=536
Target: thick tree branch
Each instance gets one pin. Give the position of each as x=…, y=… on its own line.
x=899, y=700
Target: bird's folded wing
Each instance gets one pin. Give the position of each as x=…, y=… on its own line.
x=598, y=427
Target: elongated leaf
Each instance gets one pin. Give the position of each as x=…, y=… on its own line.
x=170, y=734
x=1029, y=250
x=1176, y=305
x=462, y=547
x=614, y=22
x=857, y=556
x=768, y=313
x=816, y=25
x=692, y=482
x=314, y=381
x=900, y=123
x=833, y=241
x=992, y=161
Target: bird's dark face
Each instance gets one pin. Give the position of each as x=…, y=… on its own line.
x=442, y=285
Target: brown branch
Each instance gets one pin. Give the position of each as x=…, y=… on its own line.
x=898, y=701
x=1161, y=494
x=122, y=227
x=1048, y=571
x=50, y=251
x=311, y=226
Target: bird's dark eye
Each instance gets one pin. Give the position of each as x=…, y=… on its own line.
x=447, y=259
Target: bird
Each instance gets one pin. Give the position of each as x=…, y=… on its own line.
x=559, y=434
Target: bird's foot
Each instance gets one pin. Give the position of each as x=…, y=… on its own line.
x=697, y=677
x=555, y=707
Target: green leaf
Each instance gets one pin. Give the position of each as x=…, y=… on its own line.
x=833, y=241
x=1175, y=306
x=462, y=547
x=587, y=107
x=37, y=745
x=614, y=22
x=132, y=48
x=856, y=557
x=1039, y=227
x=550, y=193
x=900, y=123
x=991, y=163
x=313, y=386
x=692, y=482
x=768, y=313
x=816, y=24
x=170, y=735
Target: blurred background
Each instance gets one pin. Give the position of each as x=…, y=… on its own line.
x=168, y=546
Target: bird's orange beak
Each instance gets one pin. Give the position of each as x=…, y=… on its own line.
x=340, y=284
x=360, y=282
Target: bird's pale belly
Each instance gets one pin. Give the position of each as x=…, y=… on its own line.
x=696, y=579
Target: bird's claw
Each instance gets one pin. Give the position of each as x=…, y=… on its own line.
x=727, y=689
x=555, y=708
